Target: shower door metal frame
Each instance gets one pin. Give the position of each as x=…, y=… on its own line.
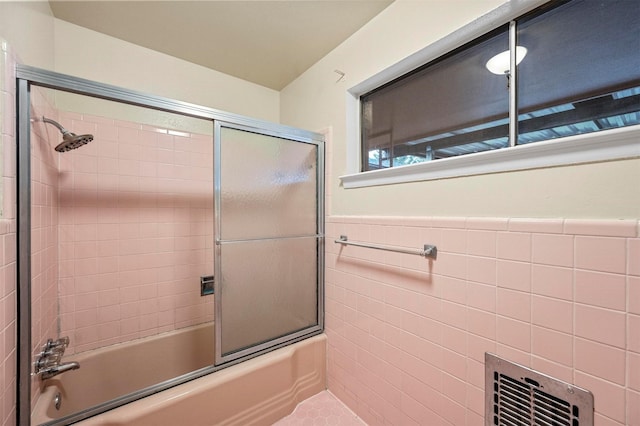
x=27, y=76
x=222, y=359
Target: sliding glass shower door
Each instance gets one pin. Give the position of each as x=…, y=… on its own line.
x=268, y=236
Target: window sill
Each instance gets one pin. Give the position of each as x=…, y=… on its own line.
x=593, y=147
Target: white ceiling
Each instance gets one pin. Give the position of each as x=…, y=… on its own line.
x=266, y=42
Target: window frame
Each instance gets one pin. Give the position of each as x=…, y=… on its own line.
x=613, y=144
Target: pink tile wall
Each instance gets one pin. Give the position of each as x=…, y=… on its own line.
x=136, y=231
x=407, y=336
x=7, y=238
x=44, y=230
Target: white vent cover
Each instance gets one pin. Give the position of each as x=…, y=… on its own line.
x=518, y=396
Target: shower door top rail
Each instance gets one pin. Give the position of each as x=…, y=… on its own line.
x=429, y=251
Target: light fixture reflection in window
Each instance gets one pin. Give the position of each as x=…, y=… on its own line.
x=501, y=63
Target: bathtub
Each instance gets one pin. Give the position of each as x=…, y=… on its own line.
x=258, y=391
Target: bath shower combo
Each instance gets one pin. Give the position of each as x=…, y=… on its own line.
x=212, y=350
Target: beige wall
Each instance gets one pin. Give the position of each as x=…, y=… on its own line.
x=28, y=28
x=317, y=101
x=94, y=56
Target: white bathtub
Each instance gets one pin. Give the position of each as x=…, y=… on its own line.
x=256, y=392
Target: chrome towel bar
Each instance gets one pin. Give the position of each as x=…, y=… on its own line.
x=429, y=250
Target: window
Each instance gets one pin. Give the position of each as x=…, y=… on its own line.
x=580, y=74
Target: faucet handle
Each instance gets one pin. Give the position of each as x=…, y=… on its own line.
x=46, y=360
x=59, y=344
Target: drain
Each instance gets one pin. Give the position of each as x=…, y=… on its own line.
x=57, y=401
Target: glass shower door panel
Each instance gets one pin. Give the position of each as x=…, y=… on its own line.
x=269, y=291
x=268, y=186
x=267, y=240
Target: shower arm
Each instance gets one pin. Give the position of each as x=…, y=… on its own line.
x=55, y=123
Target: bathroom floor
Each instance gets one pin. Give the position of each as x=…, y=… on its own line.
x=321, y=409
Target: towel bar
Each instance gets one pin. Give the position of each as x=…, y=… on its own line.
x=429, y=250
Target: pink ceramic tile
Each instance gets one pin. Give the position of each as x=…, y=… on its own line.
x=475, y=373
x=633, y=407
x=633, y=295
x=453, y=412
x=487, y=223
x=453, y=289
x=481, y=296
x=552, y=281
x=481, y=323
x=85, y=232
x=513, y=354
x=455, y=340
x=514, y=333
x=481, y=243
x=552, y=369
x=481, y=270
x=453, y=240
x=513, y=304
x=86, y=318
x=454, y=364
x=107, y=166
x=109, y=313
x=549, y=249
x=633, y=256
x=513, y=246
x=514, y=275
x=633, y=370
x=427, y=328
x=416, y=399
x=449, y=222
x=601, y=254
x=608, y=228
x=473, y=418
x=454, y=314
x=452, y=265
x=633, y=332
x=609, y=396
x=545, y=226
x=600, y=289
x=599, y=360
x=552, y=313
x=601, y=325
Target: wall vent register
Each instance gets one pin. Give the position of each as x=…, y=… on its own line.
x=516, y=396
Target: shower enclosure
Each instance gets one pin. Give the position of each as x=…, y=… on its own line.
x=161, y=219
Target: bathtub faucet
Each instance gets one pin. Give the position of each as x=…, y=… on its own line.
x=48, y=363
x=50, y=372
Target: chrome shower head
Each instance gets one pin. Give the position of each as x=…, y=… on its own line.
x=69, y=140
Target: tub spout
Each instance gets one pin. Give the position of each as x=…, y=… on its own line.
x=59, y=369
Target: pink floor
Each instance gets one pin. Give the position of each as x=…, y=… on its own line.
x=321, y=409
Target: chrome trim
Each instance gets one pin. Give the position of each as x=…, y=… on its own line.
x=320, y=197
x=513, y=85
x=23, y=242
x=217, y=233
x=251, y=240
x=94, y=89
x=266, y=346
x=224, y=359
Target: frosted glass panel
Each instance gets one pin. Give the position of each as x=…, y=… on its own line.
x=268, y=290
x=268, y=186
